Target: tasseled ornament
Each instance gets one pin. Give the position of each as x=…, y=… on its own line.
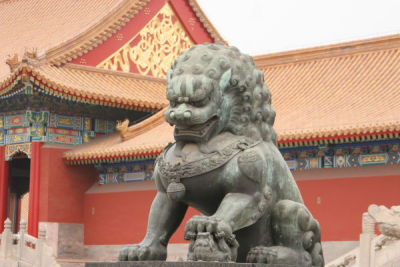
x=176, y=190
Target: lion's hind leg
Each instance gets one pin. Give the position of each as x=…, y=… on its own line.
x=296, y=237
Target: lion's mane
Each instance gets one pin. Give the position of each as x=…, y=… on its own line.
x=245, y=96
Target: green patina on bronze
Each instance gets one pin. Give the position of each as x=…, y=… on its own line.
x=226, y=164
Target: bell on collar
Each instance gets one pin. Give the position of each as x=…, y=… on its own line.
x=176, y=191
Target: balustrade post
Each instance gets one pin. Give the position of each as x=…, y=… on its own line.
x=6, y=240
x=21, y=241
x=366, y=237
x=40, y=247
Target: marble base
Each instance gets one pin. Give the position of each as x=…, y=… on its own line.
x=180, y=264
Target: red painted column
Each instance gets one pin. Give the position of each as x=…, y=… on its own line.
x=4, y=177
x=34, y=190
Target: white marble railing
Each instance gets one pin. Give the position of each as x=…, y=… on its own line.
x=375, y=250
x=24, y=249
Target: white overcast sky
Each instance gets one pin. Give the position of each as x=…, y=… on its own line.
x=265, y=26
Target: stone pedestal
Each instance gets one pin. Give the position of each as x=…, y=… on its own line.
x=180, y=264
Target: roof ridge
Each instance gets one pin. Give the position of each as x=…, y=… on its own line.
x=111, y=72
x=99, y=32
x=206, y=21
x=8, y=1
x=323, y=58
x=326, y=51
x=143, y=126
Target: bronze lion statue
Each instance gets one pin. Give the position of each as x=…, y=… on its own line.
x=226, y=164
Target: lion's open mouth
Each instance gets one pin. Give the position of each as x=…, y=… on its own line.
x=196, y=133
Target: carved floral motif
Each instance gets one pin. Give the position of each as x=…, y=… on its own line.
x=388, y=220
x=154, y=49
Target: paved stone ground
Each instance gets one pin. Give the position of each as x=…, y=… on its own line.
x=180, y=264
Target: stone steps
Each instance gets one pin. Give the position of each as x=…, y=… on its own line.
x=73, y=262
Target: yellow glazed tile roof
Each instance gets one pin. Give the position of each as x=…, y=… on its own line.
x=45, y=24
x=348, y=90
x=339, y=93
x=61, y=30
x=149, y=139
x=92, y=85
x=57, y=31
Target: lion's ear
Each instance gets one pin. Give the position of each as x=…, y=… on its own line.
x=169, y=75
x=223, y=82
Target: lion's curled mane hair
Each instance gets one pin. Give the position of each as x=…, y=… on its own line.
x=244, y=94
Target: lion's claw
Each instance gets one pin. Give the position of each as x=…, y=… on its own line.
x=142, y=252
x=261, y=255
x=278, y=255
x=211, y=239
x=212, y=225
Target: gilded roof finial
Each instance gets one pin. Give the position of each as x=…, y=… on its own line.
x=13, y=62
x=122, y=128
x=30, y=56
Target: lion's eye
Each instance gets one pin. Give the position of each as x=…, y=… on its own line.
x=200, y=103
x=196, y=103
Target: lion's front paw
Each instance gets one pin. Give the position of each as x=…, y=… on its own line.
x=212, y=225
x=211, y=239
x=279, y=255
x=141, y=252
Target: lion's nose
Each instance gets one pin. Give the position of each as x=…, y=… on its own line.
x=187, y=114
x=181, y=113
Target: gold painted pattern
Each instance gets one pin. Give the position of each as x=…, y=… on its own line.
x=373, y=158
x=17, y=138
x=11, y=150
x=65, y=121
x=88, y=124
x=160, y=42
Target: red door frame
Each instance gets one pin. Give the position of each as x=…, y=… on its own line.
x=34, y=189
x=4, y=177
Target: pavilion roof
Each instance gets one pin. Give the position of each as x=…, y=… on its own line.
x=44, y=24
x=348, y=91
x=90, y=85
x=63, y=30
x=332, y=94
x=146, y=139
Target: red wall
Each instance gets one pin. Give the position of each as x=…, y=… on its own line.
x=121, y=218
x=338, y=204
x=62, y=187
